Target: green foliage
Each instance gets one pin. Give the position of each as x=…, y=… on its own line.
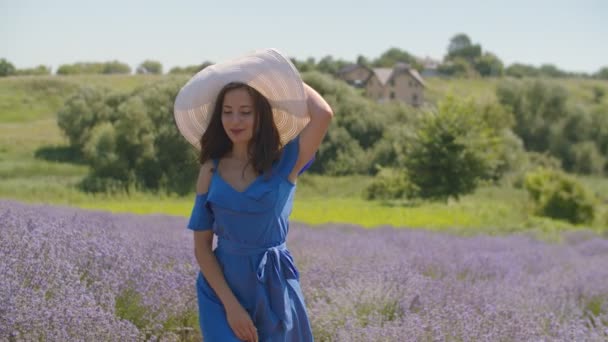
x=536, y=106
x=551, y=70
x=390, y=184
x=457, y=67
x=340, y=154
x=190, y=70
x=83, y=111
x=531, y=161
x=547, y=122
x=393, y=56
x=37, y=71
x=452, y=149
x=459, y=42
x=150, y=67
x=6, y=68
x=305, y=66
x=602, y=73
x=598, y=94
x=112, y=67
x=462, y=47
x=521, y=70
x=330, y=66
x=560, y=196
x=130, y=140
x=128, y=305
x=116, y=67
x=358, y=125
x=586, y=158
x=488, y=65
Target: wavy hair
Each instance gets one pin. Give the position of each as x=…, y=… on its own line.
x=265, y=145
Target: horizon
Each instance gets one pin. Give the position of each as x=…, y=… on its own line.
x=71, y=32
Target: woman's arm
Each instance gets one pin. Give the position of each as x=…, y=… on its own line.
x=238, y=318
x=312, y=135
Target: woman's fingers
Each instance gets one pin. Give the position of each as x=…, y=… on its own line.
x=253, y=332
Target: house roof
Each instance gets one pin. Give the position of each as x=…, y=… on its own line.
x=350, y=67
x=416, y=76
x=385, y=74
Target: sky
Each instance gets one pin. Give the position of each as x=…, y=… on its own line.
x=573, y=35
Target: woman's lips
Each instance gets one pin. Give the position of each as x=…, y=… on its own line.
x=236, y=131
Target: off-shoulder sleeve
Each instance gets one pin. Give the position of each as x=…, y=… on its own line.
x=202, y=216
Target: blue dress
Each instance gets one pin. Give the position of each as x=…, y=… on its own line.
x=252, y=228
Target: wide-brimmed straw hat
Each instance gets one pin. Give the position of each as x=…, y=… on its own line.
x=268, y=71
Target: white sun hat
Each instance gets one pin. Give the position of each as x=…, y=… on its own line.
x=267, y=70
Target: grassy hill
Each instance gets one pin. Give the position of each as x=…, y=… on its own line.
x=29, y=134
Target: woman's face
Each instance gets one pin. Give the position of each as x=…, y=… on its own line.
x=238, y=116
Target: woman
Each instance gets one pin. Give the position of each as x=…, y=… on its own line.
x=252, y=150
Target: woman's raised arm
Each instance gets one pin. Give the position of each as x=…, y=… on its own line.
x=312, y=135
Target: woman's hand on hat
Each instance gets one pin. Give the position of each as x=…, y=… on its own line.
x=241, y=323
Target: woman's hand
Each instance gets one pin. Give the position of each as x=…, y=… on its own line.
x=241, y=323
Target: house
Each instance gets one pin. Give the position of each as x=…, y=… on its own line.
x=355, y=75
x=400, y=83
x=430, y=67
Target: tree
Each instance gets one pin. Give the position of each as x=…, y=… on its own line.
x=330, y=66
x=489, y=65
x=131, y=139
x=116, y=67
x=82, y=112
x=537, y=106
x=602, y=73
x=39, y=70
x=461, y=46
x=190, y=70
x=458, y=67
x=150, y=67
x=393, y=56
x=521, y=70
x=551, y=70
x=459, y=42
x=362, y=60
x=451, y=150
x=6, y=68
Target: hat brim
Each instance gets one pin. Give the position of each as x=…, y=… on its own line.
x=268, y=71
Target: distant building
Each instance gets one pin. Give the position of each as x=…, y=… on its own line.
x=430, y=67
x=400, y=83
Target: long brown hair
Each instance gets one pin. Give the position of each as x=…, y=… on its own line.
x=265, y=144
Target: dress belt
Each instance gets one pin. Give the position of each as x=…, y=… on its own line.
x=274, y=268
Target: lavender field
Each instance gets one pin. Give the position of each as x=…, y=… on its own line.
x=76, y=275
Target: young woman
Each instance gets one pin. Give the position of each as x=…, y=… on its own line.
x=248, y=288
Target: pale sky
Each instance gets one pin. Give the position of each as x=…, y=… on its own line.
x=573, y=35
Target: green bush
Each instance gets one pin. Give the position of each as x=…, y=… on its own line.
x=390, y=184
x=531, y=161
x=586, y=158
x=6, y=68
x=559, y=196
x=451, y=150
x=83, y=111
x=130, y=140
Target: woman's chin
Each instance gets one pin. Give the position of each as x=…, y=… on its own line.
x=239, y=140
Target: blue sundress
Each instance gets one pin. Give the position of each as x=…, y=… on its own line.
x=251, y=228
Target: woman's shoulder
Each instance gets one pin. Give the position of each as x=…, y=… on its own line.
x=204, y=176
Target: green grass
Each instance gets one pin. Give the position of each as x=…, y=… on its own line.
x=28, y=98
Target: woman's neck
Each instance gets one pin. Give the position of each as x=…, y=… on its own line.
x=240, y=152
